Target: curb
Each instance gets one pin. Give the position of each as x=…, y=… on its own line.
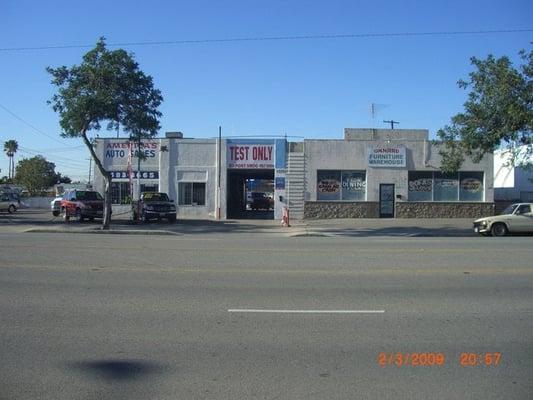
x=109, y=232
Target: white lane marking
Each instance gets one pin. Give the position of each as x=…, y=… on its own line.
x=252, y=310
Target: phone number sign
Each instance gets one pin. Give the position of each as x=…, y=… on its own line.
x=134, y=174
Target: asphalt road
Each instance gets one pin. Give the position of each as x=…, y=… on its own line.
x=146, y=317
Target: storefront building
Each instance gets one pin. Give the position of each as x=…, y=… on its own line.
x=375, y=173
x=371, y=173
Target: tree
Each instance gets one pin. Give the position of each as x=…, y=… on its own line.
x=497, y=114
x=35, y=174
x=62, y=178
x=107, y=87
x=10, y=148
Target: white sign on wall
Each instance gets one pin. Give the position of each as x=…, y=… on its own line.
x=386, y=156
x=250, y=156
x=118, y=152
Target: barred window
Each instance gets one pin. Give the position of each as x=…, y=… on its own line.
x=120, y=193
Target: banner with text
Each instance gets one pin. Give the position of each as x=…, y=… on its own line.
x=254, y=156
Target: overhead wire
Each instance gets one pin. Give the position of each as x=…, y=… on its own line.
x=275, y=38
x=30, y=125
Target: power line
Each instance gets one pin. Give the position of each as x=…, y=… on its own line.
x=37, y=152
x=275, y=38
x=30, y=125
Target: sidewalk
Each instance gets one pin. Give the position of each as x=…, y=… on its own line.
x=42, y=221
x=427, y=227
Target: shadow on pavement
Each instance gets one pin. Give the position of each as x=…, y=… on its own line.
x=121, y=370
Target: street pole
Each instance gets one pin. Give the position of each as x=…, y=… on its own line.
x=139, y=179
x=90, y=168
x=219, y=163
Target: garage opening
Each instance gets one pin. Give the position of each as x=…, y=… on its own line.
x=250, y=194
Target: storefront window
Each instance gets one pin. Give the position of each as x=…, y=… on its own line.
x=471, y=186
x=462, y=186
x=328, y=185
x=341, y=185
x=420, y=186
x=445, y=187
x=191, y=194
x=353, y=185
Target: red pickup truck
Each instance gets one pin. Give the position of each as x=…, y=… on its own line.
x=82, y=204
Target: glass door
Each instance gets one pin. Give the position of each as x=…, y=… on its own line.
x=386, y=200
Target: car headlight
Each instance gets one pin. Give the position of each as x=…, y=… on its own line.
x=172, y=208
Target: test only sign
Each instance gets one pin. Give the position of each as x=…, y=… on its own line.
x=254, y=156
x=386, y=156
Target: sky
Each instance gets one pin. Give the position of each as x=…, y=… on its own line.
x=299, y=88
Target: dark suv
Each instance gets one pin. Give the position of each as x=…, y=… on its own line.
x=82, y=204
x=154, y=205
x=260, y=201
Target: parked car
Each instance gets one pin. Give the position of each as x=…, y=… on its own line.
x=154, y=205
x=55, y=206
x=82, y=204
x=9, y=202
x=260, y=201
x=514, y=219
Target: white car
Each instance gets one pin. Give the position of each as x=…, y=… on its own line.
x=9, y=203
x=517, y=218
x=55, y=205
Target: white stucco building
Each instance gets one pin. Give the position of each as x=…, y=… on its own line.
x=369, y=173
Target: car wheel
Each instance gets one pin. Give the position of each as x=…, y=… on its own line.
x=498, y=229
x=55, y=213
x=11, y=209
x=64, y=214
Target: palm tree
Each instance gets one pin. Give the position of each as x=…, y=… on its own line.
x=10, y=148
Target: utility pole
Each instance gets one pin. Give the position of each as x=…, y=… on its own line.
x=90, y=168
x=391, y=122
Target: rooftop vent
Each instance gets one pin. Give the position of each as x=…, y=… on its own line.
x=174, y=135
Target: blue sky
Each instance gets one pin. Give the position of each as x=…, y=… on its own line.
x=310, y=88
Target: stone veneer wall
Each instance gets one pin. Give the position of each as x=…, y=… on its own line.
x=339, y=209
x=370, y=209
x=443, y=210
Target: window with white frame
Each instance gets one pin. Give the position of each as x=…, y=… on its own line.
x=191, y=193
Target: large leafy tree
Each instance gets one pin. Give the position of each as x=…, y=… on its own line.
x=107, y=88
x=10, y=148
x=498, y=113
x=36, y=174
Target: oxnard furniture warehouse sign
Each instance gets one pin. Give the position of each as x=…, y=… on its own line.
x=386, y=156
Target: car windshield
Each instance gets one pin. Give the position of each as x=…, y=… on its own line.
x=155, y=197
x=509, y=209
x=88, y=196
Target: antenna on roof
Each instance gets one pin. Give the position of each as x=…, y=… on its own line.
x=374, y=109
x=391, y=122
